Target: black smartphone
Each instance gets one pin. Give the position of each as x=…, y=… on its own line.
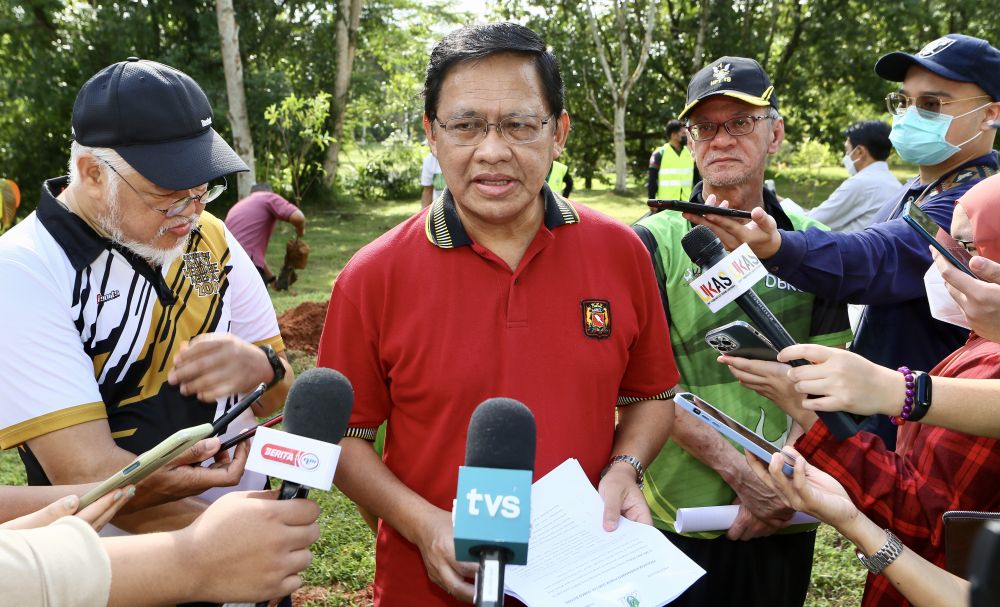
x=937, y=237
x=740, y=339
x=683, y=206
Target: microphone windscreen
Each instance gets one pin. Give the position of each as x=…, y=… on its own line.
x=501, y=435
x=319, y=405
x=701, y=245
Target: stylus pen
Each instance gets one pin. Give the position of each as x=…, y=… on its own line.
x=242, y=436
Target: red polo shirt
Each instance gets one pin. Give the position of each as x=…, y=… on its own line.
x=427, y=324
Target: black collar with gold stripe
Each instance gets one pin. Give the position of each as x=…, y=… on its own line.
x=444, y=227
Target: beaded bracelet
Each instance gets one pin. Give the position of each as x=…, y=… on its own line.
x=907, y=401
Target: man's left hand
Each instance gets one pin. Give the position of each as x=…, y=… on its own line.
x=214, y=365
x=622, y=497
x=761, y=232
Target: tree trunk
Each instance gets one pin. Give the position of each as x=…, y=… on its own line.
x=232, y=65
x=347, y=24
x=621, y=160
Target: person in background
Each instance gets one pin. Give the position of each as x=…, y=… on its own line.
x=431, y=181
x=252, y=222
x=870, y=184
x=560, y=179
x=672, y=171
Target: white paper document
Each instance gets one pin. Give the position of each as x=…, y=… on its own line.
x=573, y=562
x=719, y=518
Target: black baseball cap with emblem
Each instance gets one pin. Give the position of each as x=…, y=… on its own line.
x=737, y=77
x=955, y=57
x=158, y=119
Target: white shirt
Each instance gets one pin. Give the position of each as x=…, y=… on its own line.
x=430, y=175
x=852, y=206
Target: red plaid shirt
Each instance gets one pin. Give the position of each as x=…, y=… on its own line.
x=908, y=492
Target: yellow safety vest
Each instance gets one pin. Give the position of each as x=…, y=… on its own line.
x=676, y=174
x=556, y=174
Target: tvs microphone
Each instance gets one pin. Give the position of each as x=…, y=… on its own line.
x=493, y=507
x=705, y=250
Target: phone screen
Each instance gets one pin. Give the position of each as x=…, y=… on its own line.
x=938, y=237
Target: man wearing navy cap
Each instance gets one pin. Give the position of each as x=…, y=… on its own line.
x=942, y=117
x=131, y=311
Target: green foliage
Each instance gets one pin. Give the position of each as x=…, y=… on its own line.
x=391, y=172
x=297, y=138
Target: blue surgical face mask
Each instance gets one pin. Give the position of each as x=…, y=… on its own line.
x=919, y=137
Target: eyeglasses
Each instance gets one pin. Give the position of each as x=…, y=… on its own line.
x=737, y=127
x=898, y=103
x=177, y=207
x=515, y=129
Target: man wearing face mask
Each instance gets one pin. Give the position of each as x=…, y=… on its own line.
x=853, y=205
x=672, y=173
x=942, y=116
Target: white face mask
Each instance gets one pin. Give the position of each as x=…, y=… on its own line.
x=849, y=164
x=943, y=305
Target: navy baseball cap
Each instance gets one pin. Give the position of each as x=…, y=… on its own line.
x=737, y=77
x=955, y=57
x=158, y=119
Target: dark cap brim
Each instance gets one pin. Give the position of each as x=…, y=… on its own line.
x=744, y=97
x=893, y=67
x=185, y=163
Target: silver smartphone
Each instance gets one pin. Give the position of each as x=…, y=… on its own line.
x=734, y=430
x=740, y=339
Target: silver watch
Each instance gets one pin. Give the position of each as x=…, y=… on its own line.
x=884, y=555
x=630, y=460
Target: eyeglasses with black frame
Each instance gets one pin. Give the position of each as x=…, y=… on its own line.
x=737, y=127
x=898, y=103
x=177, y=207
x=472, y=130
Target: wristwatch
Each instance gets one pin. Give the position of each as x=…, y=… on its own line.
x=921, y=396
x=884, y=556
x=630, y=460
x=275, y=361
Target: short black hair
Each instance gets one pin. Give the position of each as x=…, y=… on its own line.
x=673, y=126
x=873, y=134
x=262, y=186
x=475, y=42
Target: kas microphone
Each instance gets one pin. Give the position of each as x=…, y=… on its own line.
x=705, y=250
x=493, y=504
x=305, y=454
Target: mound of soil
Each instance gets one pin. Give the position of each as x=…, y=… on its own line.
x=302, y=326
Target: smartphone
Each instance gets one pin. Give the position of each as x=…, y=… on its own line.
x=172, y=446
x=149, y=462
x=242, y=436
x=732, y=429
x=657, y=205
x=937, y=237
x=740, y=339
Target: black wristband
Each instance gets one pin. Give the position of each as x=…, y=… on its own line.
x=922, y=397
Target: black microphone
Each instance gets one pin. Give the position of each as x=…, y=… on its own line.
x=501, y=436
x=318, y=407
x=705, y=250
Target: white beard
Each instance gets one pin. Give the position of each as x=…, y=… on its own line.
x=155, y=256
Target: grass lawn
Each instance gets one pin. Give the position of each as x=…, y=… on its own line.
x=343, y=564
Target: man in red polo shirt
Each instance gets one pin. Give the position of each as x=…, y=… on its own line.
x=500, y=288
